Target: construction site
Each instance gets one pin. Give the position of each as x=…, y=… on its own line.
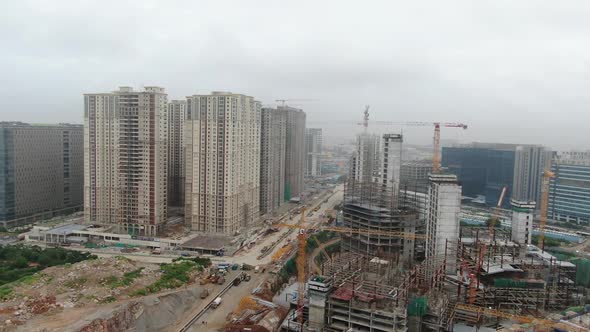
x=409, y=265
x=483, y=279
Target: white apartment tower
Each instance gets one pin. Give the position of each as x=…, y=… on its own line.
x=273, y=135
x=126, y=159
x=442, y=218
x=313, y=152
x=176, y=160
x=222, y=185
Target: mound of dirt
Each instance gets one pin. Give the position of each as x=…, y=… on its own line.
x=89, y=283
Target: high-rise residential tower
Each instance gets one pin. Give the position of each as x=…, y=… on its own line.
x=313, y=152
x=273, y=136
x=223, y=162
x=41, y=171
x=176, y=159
x=126, y=159
x=295, y=152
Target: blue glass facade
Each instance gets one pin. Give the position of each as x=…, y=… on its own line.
x=6, y=174
x=569, y=193
x=481, y=171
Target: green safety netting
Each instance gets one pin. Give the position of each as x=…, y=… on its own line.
x=509, y=283
x=418, y=306
x=582, y=272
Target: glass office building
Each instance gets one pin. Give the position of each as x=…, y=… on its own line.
x=569, y=192
x=482, y=170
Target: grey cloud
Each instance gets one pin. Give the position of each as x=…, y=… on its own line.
x=515, y=71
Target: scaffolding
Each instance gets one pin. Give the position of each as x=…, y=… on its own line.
x=375, y=293
x=499, y=274
x=377, y=206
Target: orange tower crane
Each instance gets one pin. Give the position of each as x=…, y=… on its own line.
x=300, y=262
x=436, y=158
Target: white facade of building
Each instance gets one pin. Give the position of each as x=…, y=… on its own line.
x=522, y=221
x=365, y=160
x=126, y=159
x=313, y=152
x=222, y=188
x=442, y=220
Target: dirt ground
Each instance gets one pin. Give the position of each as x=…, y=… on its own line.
x=71, y=289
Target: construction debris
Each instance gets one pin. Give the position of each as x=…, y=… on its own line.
x=85, y=284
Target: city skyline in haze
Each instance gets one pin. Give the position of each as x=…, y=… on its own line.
x=514, y=72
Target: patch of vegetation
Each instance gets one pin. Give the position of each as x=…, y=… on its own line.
x=76, y=283
x=311, y=244
x=140, y=292
x=491, y=222
x=5, y=291
x=127, y=279
x=331, y=249
x=109, y=299
x=550, y=242
x=21, y=261
x=174, y=275
x=325, y=236
x=201, y=262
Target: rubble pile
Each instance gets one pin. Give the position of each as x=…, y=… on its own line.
x=261, y=320
x=264, y=291
x=85, y=284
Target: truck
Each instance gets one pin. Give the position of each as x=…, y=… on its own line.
x=247, y=267
x=204, y=293
x=216, y=303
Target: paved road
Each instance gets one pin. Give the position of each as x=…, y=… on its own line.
x=317, y=251
x=250, y=256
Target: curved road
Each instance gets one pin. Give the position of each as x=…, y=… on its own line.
x=317, y=251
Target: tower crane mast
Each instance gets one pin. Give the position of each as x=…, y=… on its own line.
x=436, y=156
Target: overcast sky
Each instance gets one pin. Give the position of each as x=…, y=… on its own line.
x=514, y=71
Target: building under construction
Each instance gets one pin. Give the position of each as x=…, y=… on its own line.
x=364, y=294
x=471, y=275
x=487, y=275
x=372, y=201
